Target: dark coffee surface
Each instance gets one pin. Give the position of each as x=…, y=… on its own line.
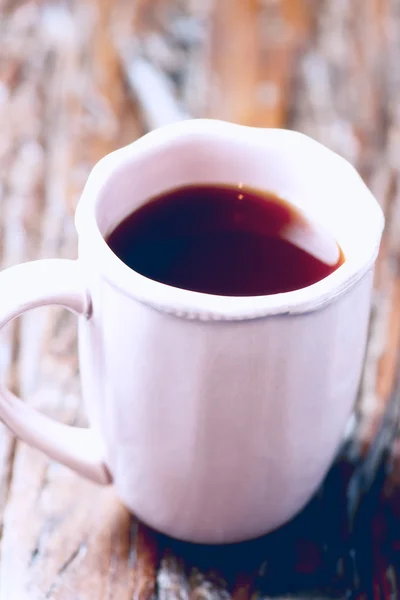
x=224, y=240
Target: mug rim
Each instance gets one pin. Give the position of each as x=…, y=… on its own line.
x=197, y=305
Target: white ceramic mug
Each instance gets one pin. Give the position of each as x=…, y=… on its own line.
x=216, y=418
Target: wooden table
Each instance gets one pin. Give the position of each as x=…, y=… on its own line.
x=81, y=78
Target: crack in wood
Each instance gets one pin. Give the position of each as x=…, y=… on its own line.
x=37, y=552
x=74, y=557
x=44, y=482
x=6, y=480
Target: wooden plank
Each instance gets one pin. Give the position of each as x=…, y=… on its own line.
x=19, y=152
x=254, y=48
x=77, y=111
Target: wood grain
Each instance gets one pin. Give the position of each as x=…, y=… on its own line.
x=254, y=46
x=67, y=98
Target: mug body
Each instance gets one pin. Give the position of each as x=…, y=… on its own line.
x=218, y=431
x=220, y=416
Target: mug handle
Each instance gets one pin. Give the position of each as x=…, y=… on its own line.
x=27, y=286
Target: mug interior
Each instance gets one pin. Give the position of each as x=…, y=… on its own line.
x=295, y=173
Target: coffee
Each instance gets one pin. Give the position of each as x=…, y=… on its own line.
x=225, y=240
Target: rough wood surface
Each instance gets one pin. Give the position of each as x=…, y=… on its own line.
x=78, y=79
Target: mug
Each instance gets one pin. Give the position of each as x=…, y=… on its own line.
x=215, y=418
